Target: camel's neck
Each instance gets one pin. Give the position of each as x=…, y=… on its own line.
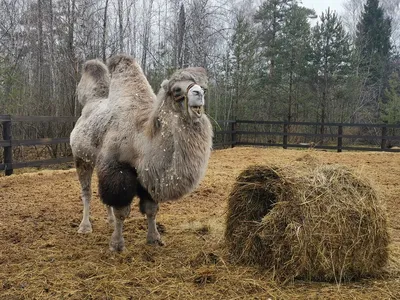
x=177, y=156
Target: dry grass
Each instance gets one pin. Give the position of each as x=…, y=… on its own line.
x=320, y=222
x=43, y=257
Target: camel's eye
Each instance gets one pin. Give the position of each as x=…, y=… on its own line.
x=177, y=90
x=205, y=91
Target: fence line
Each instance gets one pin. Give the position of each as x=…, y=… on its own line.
x=229, y=133
x=8, y=142
x=232, y=133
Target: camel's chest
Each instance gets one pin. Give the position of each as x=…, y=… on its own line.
x=170, y=180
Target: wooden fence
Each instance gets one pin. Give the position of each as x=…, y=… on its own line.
x=8, y=142
x=329, y=136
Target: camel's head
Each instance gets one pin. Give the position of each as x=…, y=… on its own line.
x=187, y=88
x=189, y=96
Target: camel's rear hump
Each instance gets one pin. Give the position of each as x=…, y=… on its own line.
x=94, y=83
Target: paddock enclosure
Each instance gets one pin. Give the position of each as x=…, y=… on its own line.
x=43, y=257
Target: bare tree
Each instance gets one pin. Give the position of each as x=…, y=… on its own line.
x=147, y=17
x=104, y=40
x=351, y=16
x=121, y=25
x=181, y=35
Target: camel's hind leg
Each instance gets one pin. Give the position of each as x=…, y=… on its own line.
x=149, y=207
x=85, y=171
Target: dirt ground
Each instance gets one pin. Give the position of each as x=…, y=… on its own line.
x=43, y=257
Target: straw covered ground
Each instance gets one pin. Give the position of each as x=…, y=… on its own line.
x=43, y=257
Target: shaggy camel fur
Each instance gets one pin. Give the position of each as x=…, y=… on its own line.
x=153, y=147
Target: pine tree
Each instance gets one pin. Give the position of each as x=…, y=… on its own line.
x=391, y=109
x=373, y=45
x=244, y=50
x=330, y=59
x=271, y=18
x=293, y=54
x=271, y=15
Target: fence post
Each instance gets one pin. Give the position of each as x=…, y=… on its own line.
x=383, y=138
x=340, y=138
x=8, y=149
x=285, y=136
x=233, y=134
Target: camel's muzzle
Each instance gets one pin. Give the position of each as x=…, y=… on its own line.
x=193, y=99
x=197, y=110
x=195, y=95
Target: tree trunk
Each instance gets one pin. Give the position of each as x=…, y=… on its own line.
x=290, y=106
x=134, y=29
x=181, y=34
x=71, y=56
x=104, y=38
x=52, y=60
x=146, y=32
x=121, y=25
x=40, y=58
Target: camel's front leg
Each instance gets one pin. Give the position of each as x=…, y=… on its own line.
x=153, y=236
x=117, y=239
x=149, y=207
x=117, y=187
x=85, y=171
x=110, y=215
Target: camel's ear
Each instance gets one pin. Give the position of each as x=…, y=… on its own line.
x=165, y=85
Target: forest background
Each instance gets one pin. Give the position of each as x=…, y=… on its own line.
x=267, y=60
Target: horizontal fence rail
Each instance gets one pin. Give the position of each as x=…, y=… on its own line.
x=326, y=136
x=231, y=133
x=8, y=165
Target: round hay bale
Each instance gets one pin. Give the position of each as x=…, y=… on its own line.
x=320, y=223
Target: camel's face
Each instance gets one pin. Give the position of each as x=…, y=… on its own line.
x=194, y=94
x=196, y=101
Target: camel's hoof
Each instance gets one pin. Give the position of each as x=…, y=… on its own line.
x=157, y=242
x=117, y=246
x=85, y=228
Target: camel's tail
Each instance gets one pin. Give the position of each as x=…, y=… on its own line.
x=95, y=82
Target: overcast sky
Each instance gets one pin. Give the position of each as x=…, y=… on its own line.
x=321, y=5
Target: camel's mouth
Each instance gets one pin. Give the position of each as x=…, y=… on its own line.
x=197, y=110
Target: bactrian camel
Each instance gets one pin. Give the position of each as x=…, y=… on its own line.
x=153, y=147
